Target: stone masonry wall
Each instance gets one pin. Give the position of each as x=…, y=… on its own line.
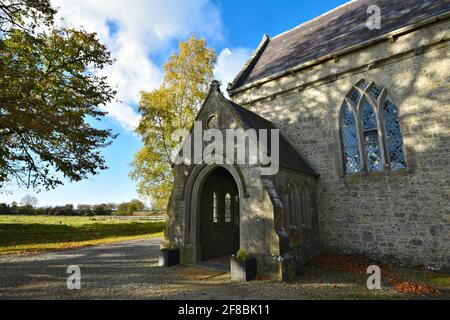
x=392, y=216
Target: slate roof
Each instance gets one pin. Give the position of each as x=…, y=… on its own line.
x=289, y=157
x=332, y=32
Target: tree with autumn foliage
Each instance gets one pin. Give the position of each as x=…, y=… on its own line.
x=170, y=107
x=50, y=96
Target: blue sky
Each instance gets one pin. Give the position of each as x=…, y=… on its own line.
x=141, y=36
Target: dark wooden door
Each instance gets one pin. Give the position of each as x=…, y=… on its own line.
x=219, y=215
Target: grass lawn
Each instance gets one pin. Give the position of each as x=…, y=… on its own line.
x=25, y=234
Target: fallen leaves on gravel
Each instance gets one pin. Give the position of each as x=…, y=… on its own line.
x=356, y=263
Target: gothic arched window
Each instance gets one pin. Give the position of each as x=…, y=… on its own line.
x=215, y=208
x=294, y=207
x=236, y=211
x=227, y=208
x=350, y=140
x=297, y=207
x=371, y=141
x=393, y=135
x=305, y=209
x=370, y=130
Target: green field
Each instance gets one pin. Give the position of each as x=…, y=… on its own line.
x=25, y=234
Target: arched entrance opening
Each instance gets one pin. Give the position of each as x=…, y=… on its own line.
x=219, y=215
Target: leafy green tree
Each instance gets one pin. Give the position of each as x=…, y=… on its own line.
x=170, y=107
x=101, y=210
x=5, y=209
x=50, y=98
x=84, y=209
x=25, y=14
x=122, y=209
x=135, y=206
x=111, y=206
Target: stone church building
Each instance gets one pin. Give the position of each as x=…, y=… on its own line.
x=364, y=116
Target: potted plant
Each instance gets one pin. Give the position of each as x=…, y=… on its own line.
x=243, y=266
x=169, y=255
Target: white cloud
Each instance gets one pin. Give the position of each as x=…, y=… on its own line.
x=143, y=28
x=229, y=63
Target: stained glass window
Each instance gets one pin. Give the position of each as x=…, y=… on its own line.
x=215, y=208
x=227, y=208
x=354, y=96
x=375, y=142
x=371, y=141
x=236, y=211
x=393, y=134
x=350, y=140
x=375, y=91
x=363, y=84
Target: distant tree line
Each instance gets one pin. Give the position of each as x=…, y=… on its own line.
x=27, y=207
x=66, y=210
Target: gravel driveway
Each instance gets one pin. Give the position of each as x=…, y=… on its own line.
x=129, y=270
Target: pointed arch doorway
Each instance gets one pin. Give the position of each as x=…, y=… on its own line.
x=219, y=215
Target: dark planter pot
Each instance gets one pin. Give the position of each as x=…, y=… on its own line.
x=243, y=270
x=169, y=258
